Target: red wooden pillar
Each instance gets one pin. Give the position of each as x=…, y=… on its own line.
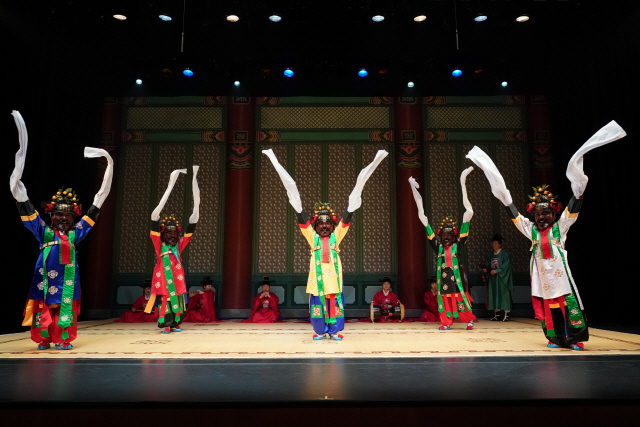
x=540, y=153
x=96, y=284
x=411, y=235
x=238, y=222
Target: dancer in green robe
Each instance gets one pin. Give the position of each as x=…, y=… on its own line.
x=499, y=280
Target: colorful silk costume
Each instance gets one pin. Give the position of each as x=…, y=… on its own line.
x=54, y=295
x=324, y=285
x=555, y=296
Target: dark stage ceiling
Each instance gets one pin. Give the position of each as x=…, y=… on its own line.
x=78, y=43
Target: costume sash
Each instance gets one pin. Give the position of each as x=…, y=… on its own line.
x=66, y=301
x=318, y=259
x=456, y=273
x=171, y=286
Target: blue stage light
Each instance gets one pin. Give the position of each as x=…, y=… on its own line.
x=363, y=73
x=236, y=83
x=378, y=18
x=456, y=73
x=138, y=82
x=288, y=72
x=187, y=72
x=164, y=17
x=275, y=18
x=410, y=84
x=504, y=84
x=480, y=18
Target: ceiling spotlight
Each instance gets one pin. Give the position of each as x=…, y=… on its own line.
x=420, y=18
x=481, y=17
x=456, y=73
x=236, y=83
x=288, y=72
x=164, y=17
x=187, y=72
x=410, y=84
x=522, y=18
x=233, y=18
x=120, y=17
x=504, y=84
x=378, y=18
x=138, y=81
x=363, y=73
x=275, y=18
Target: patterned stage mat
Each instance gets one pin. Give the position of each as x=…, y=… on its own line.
x=232, y=339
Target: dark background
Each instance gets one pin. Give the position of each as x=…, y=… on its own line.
x=60, y=58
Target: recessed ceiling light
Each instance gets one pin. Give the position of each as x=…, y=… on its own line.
x=457, y=72
x=504, y=84
x=164, y=17
x=420, y=18
x=187, y=72
x=120, y=17
x=363, y=72
x=236, y=83
x=233, y=18
x=288, y=72
x=378, y=18
x=138, y=81
x=410, y=84
x=522, y=18
x=275, y=18
x=481, y=17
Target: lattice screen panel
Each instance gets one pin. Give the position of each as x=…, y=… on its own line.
x=464, y=117
x=510, y=163
x=203, y=249
x=481, y=230
x=135, y=208
x=342, y=178
x=444, y=186
x=272, y=215
x=325, y=117
x=174, y=118
x=376, y=214
x=308, y=177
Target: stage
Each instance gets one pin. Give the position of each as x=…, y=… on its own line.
x=243, y=372
x=293, y=339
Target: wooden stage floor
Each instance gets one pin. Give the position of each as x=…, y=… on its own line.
x=235, y=340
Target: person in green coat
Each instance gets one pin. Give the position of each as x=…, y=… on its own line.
x=499, y=280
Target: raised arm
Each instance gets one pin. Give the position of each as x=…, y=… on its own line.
x=431, y=236
x=18, y=189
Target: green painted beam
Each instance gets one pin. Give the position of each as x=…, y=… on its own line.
x=332, y=135
x=313, y=100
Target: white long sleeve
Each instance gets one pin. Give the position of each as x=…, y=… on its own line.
x=355, y=198
x=287, y=181
x=16, y=186
x=609, y=133
x=155, y=215
x=418, y=199
x=195, y=216
x=496, y=181
x=468, y=214
x=105, y=188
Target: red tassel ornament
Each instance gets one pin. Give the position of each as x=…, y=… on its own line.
x=556, y=206
x=314, y=219
x=530, y=207
x=48, y=207
x=77, y=210
x=334, y=218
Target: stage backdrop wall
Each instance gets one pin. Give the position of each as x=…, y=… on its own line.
x=160, y=135
x=498, y=125
x=324, y=143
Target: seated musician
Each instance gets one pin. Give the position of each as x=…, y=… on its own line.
x=201, y=308
x=430, y=313
x=264, y=307
x=137, y=314
x=386, y=303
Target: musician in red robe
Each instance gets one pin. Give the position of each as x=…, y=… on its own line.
x=137, y=314
x=264, y=306
x=385, y=299
x=430, y=313
x=201, y=308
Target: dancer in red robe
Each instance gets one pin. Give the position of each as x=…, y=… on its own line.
x=137, y=314
x=264, y=306
x=201, y=308
x=430, y=313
